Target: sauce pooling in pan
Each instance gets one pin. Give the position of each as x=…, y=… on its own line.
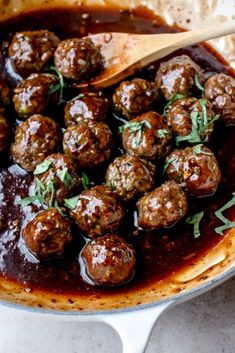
x=144, y=138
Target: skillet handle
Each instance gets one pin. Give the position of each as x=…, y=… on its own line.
x=135, y=327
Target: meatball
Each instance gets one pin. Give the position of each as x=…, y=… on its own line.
x=35, y=94
x=78, y=58
x=91, y=106
x=177, y=75
x=5, y=94
x=109, y=260
x=220, y=91
x=129, y=176
x=134, y=97
x=29, y=51
x=98, y=211
x=162, y=207
x=196, y=168
x=35, y=139
x=89, y=143
x=147, y=136
x=47, y=234
x=191, y=116
x=58, y=169
x=5, y=132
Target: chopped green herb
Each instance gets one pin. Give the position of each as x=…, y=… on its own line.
x=56, y=205
x=162, y=133
x=43, y=167
x=27, y=200
x=39, y=184
x=138, y=128
x=62, y=174
x=227, y=223
x=194, y=136
x=65, y=177
x=180, y=211
x=168, y=162
x=200, y=125
x=85, y=181
x=195, y=220
x=81, y=95
x=198, y=149
x=198, y=83
x=59, y=87
x=204, y=120
x=51, y=190
x=72, y=202
x=175, y=98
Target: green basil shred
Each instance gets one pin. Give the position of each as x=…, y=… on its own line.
x=136, y=127
x=195, y=220
x=71, y=203
x=60, y=87
x=228, y=224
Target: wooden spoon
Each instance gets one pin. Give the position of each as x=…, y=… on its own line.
x=126, y=53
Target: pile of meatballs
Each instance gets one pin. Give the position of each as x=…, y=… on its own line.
x=58, y=154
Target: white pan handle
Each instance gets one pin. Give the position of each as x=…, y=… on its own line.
x=135, y=327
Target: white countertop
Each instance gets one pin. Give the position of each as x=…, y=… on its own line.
x=203, y=325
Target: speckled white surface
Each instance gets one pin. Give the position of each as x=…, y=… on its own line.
x=203, y=325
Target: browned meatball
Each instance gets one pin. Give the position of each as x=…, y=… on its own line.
x=220, y=90
x=196, y=168
x=191, y=119
x=5, y=94
x=78, y=58
x=35, y=139
x=59, y=170
x=109, y=260
x=5, y=132
x=177, y=75
x=98, y=211
x=162, y=207
x=31, y=50
x=147, y=136
x=129, y=176
x=89, y=143
x=91, y=106
x=34, y=94
x=47, y=234
x=134, y=97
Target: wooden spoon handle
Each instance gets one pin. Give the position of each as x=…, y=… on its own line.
x=157, y=46
x=203, y=34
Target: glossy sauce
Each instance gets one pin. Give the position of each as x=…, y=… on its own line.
x=159, y=253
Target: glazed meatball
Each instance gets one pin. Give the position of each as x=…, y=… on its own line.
x=88, y=106
x=78, y=58
x=31, y=50
x=191, y=116
x=98, y=211
x=34, y=95
x=134, y=97
x=5, y=94
x=47, y=234
x=162, y=207
x=147, y=136
x=5, y=132
x=109, y=260
x=58, y=169
x=196, y=168
x=177, y=75
x=220, y=91
x=35, y=139
x=129, y=176
x=89, y=143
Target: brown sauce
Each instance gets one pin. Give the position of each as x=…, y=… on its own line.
x=159, y=253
